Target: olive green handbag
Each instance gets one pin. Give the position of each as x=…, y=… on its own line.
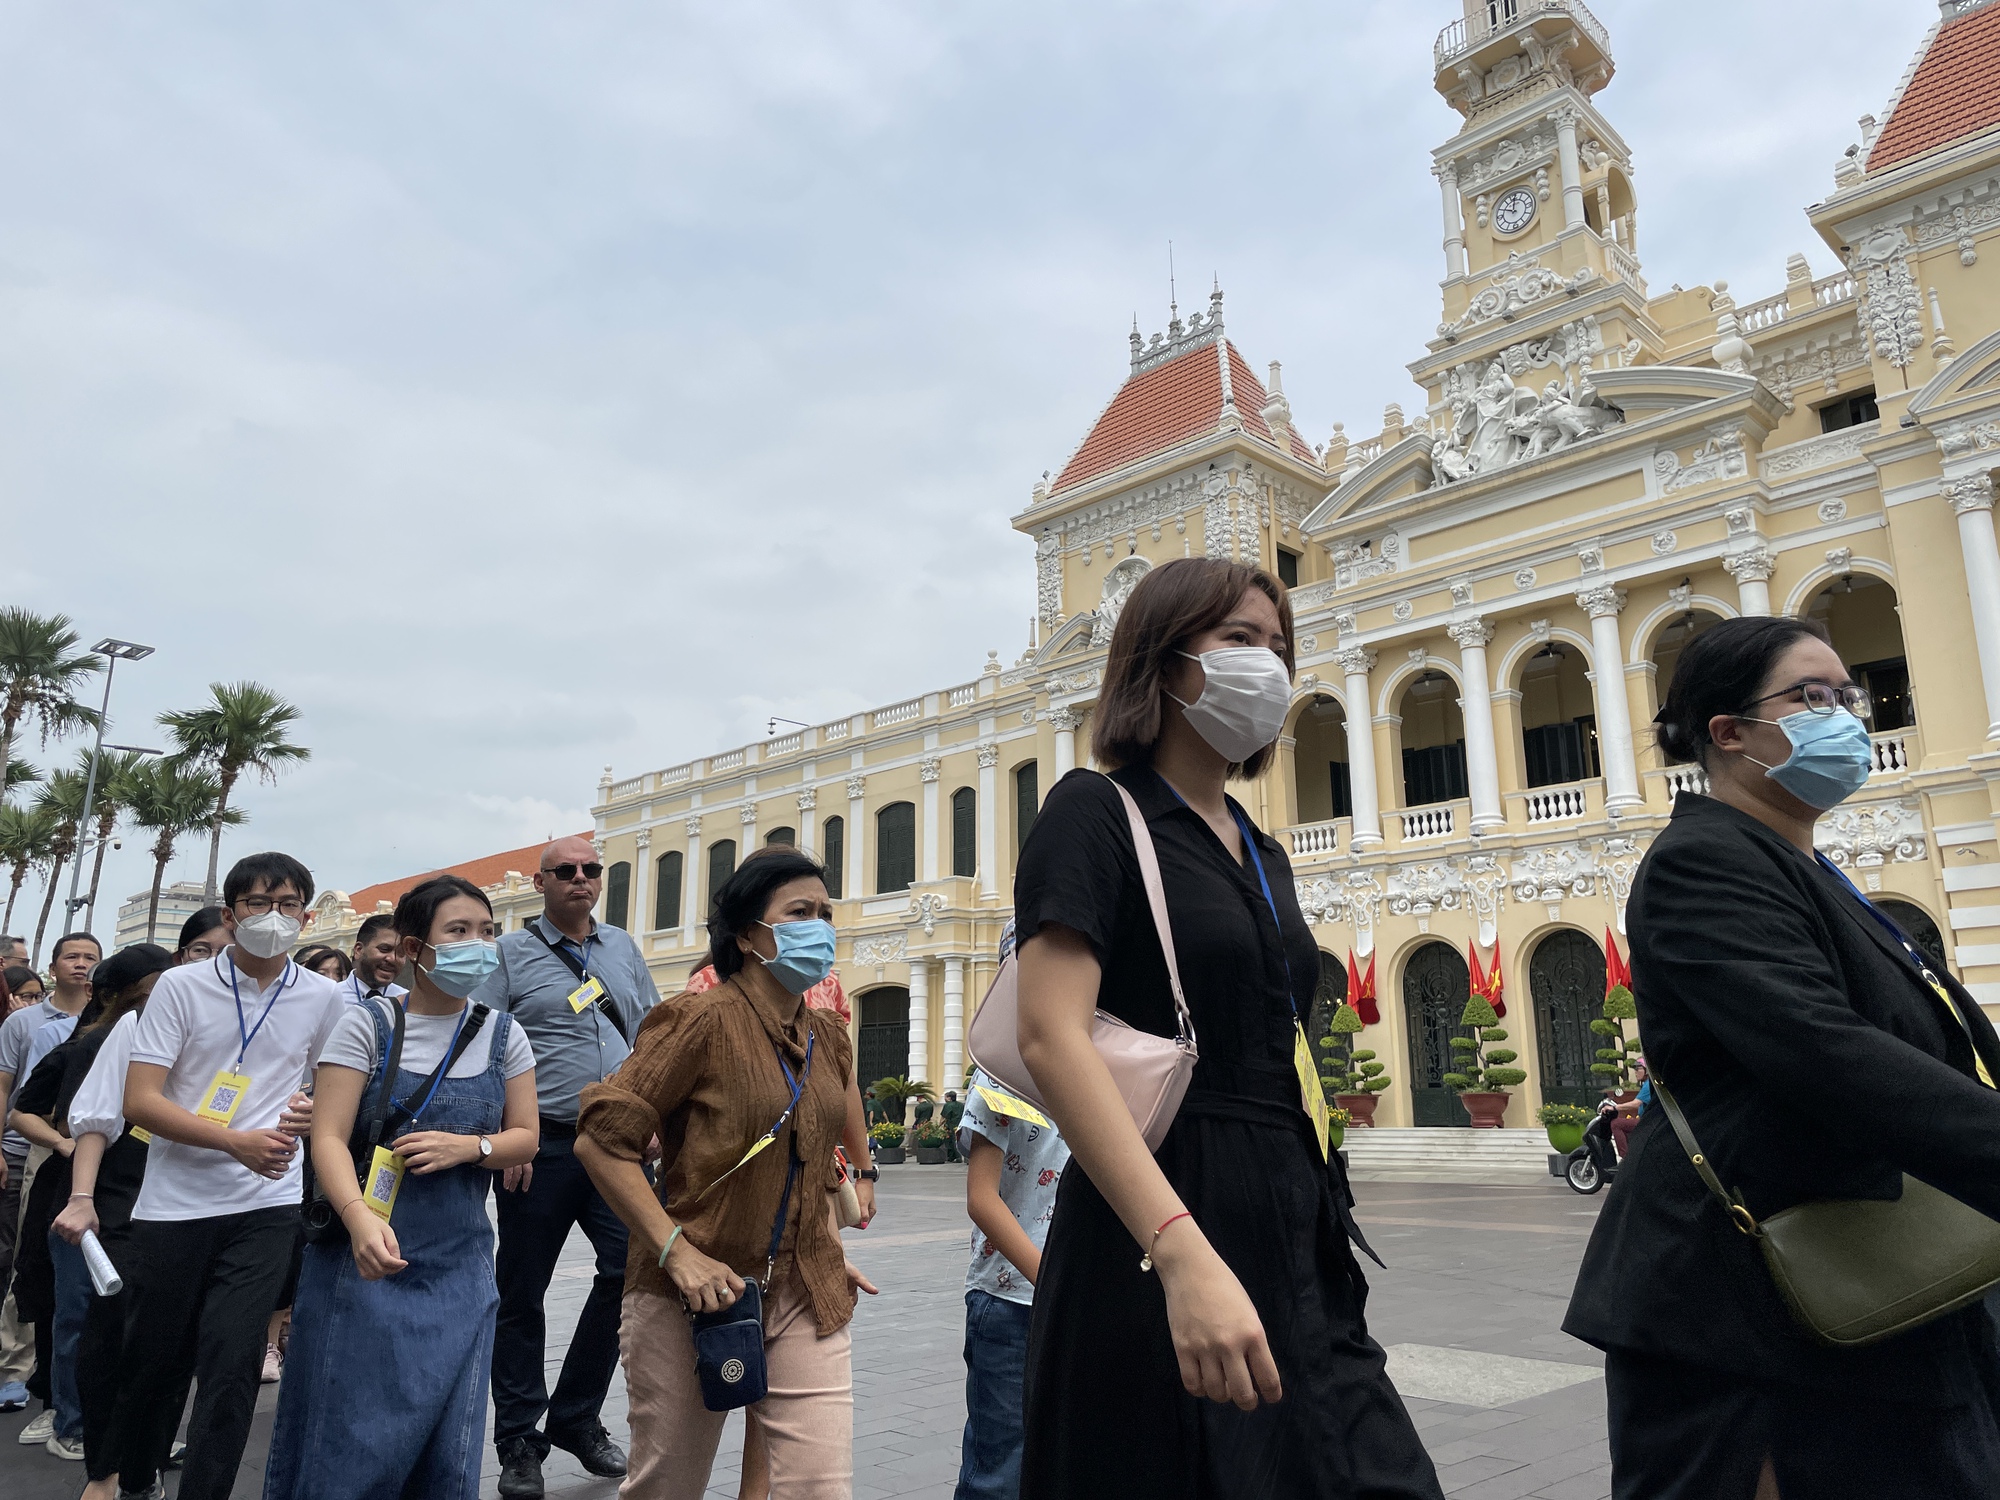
x=1856, y=1271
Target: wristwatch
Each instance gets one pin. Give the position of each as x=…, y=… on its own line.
x=485, y=1148
x=870, y=1174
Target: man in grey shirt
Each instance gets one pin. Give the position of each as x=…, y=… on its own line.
x=579, y=990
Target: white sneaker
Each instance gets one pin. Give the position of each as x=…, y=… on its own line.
x=70, y=1449
x=274, y=1365
x=39, y=1429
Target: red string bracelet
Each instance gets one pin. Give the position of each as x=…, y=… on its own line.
x=1146, y=1260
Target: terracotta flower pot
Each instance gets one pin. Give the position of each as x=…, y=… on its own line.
x=1485, y=1109
x=1361, y=1106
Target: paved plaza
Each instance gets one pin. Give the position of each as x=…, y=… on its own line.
x=1469, y=1307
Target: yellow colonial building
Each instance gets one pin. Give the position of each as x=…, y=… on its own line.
x=1491, y=591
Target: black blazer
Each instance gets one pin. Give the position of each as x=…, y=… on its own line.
x=1813, y=1062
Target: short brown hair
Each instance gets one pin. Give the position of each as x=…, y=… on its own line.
x=1172, y=604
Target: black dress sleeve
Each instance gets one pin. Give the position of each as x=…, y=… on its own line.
x=1078, y=862
x=38, y=1095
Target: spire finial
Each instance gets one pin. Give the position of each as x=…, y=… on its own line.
x=1173, y=294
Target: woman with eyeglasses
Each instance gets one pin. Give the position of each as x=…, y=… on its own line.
x=1775, y=999
x=392, y=1332
x=745, y=1085
x=203, y=935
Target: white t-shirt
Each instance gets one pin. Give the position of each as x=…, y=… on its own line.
x=191, y=1027
x=426, y=1039
x=351, y=988
x=99, y=1104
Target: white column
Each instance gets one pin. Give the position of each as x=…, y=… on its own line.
x=808, y=819
x=1356, y=662
x=747, y=840
x=928, y=769
x=920, y=1021
x=642, y=863
x=1614, y=714
x=1065, y=722
x=1565, y=120
x=954, y=1027
x=693, y=885
x=857, y=788
x=1752, y=571
x=1454, y=219
x=1482, y=761
x=989, y=824
x=1972, y=501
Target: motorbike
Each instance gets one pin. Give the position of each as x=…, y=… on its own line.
x=1595, y=1162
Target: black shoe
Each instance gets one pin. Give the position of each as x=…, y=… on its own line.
x=594, y=1449
x=520, y=1470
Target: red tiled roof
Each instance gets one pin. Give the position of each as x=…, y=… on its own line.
x=490, y=870
x=1954, y=93
x=1167, y=405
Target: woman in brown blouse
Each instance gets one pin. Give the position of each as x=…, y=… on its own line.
x=708, y=1075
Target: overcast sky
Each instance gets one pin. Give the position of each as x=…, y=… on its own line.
x=522, y=388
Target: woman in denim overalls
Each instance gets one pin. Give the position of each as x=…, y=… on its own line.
x=384, y=1395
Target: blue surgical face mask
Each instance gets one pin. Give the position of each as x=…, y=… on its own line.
x=462, y=967
x=1832, y=757
x=805, y=953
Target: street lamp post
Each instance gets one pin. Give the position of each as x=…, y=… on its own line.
x=113, y=651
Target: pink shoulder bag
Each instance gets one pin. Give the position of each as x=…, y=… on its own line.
x=1150, y=1072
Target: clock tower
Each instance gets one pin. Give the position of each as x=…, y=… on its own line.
x=1540, y=246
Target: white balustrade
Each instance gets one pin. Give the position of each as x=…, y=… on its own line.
x=1685, y=779
x=1556, y=804
x=674, y=774
x=834, y=731
x=1314, y=839
x=963, y=697
x=1839, y=287
x=1426, y=822
x=627, y=788
x=784, y=744
x=1892, y=751
x=726, y=761
x=898, y=713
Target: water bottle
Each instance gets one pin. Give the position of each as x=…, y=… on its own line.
x=103, y=1275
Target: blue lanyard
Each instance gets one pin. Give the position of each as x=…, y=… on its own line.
x=798, y=1084
x=443, y=1067
x=1257, y=862
x=277, y=989
x=583, y=955
x=1887, y=922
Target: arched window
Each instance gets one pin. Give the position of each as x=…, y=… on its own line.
x=1327, y=995
x=1433, y=741
x=1558, y=717
x=882, y=1042
x=667, y=889
x=1860, y=613
x=1436, y=985
x=1917, y=924
x=965, y=831
x=618, y=894
x=833, y=843
x=895, y=848
x=1027, y=800
x=1566, y=979
x=789, y=837
x=721, y=865
x=1319, y=761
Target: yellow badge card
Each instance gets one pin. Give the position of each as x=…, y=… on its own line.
x=585, y=995
x=221, y=1099
x=385, y=1180
x=1310, y=1092
x=1003, y=1103
x=142, y=1135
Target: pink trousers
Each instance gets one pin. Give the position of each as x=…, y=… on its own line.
x=808, y=1415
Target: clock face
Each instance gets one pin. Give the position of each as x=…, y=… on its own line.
x=1515, y=211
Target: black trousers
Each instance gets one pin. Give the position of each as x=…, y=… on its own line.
x=1682, y=1432
x=101, y=1386
x=534, y=1225
x=206, y=1286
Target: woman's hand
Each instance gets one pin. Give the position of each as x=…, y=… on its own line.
x=705, y=1285
x=65, y=1147
x=427, y=1151
x=376, y=1253
x=864, y=1190
x=1218, y=1338
x=297, y=1118
x=857, y=1283
x=78, y=1218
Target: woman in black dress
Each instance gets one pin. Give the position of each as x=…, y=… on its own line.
x=1240, y=1363
x=1778, y=1005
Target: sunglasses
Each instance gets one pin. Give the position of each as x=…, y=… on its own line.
x=568, y=872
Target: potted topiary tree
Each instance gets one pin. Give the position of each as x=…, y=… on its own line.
x=931, y=1137
x=1613, y=1067
x=1564, y=1123
x=887, y=1141
x=1354, y=1078
x=895, y=1094
x=1483, y=1078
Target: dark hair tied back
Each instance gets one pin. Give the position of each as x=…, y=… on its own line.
x=419, y=905
x=745, y=896
x=1720, y=672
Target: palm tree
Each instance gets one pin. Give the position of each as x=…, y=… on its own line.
x=61, y=799
x=242, y=728
x=19, y=773
x=39, y=673
x=169, y=801
x=111, y=797
x=25, y=834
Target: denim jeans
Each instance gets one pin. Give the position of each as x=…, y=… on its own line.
x=996, y=1353
x=73, y=1291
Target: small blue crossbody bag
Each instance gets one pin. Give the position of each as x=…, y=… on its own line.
x=729, y=1345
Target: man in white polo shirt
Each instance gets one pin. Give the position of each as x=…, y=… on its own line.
x=219, y=1051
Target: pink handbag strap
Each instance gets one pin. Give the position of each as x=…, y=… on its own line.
x=1156, y=897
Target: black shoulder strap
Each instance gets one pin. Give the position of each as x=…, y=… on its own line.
x=575, y=965
x=466, y=1033
x=378, y=1116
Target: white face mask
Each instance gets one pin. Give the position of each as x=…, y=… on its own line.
x=267, y=934
x=1242, y=707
